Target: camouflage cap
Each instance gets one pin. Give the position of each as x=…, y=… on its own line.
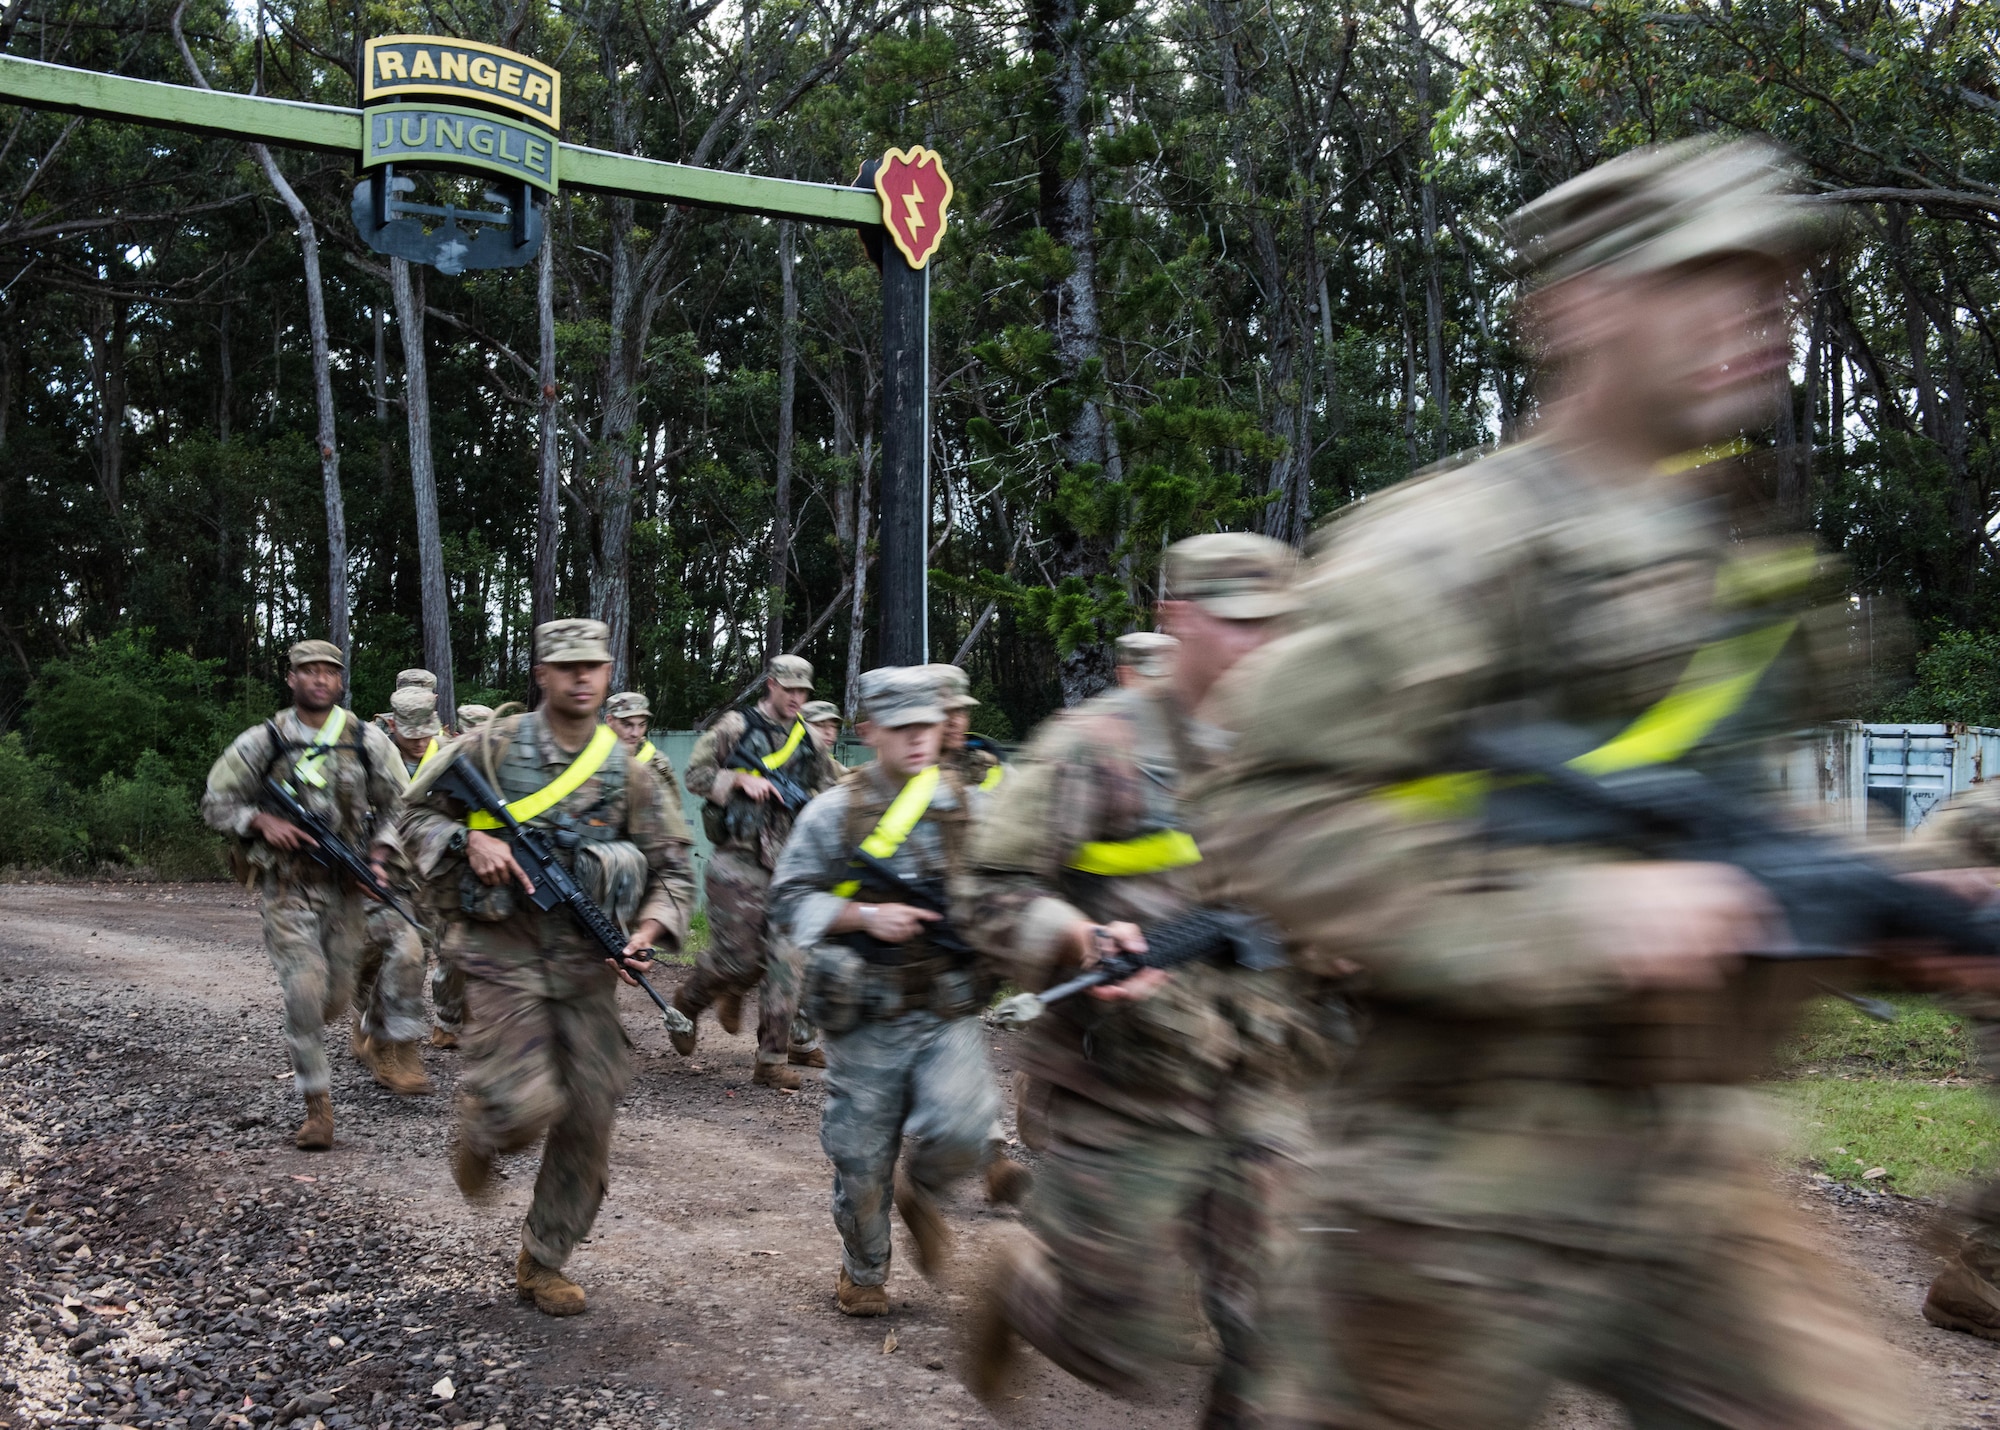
x=1148, y=652
x=416, y=713
x=794, y=672
x=416, y=679
x=1236, y=575
x=574, y=641
x=1670, y=204
x=897, y=695
x=954, y=686
x=316, y=653
x=471, y=717
x=625, y=704
x=813, y=712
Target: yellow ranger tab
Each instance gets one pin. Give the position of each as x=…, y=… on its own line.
x=993, y=777
x=1153, y=853
x=1718, y=681
x=311, y=765
x=784, y=752
x=896, y=823
x=558, y=789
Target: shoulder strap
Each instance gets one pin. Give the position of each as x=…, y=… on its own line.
x=904, y=813
x=311, y=766
x=784, y=751
x=558, y=789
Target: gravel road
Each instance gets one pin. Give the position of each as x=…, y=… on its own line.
x=167, y=1258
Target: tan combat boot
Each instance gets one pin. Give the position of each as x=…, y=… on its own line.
x=729, y=1013
x=443, y=1038
x=926, y=1223
x=397, y=1067
x=471, y=1169
x=684, y=1042
x=990, y=1344
x=860, y=1300
x=1007, y=1181
x=1963, y=1300
x=777, y=1075
x=360, y=1044
x=553, y=1293
x=315, y=1134
x=807, y=1057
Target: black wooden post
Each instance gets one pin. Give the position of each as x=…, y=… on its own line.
x=903, y=637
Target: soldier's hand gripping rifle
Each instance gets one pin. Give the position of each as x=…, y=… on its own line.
x=1226, y=936
x=791, y=794
x=1836, y=903
x=879, y=883
x=329, y=850
x=554, y=886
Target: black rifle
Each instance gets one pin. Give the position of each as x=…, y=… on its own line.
x=1837, y=904
x=880, y=883
x=329, y=850
x=554, y=886
x=791, y=794
x=1226, y=936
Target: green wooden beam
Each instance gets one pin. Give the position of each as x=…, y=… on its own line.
x=291, y=124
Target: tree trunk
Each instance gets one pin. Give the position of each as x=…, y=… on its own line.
x=1440, y=399
x=857, y=617
x=405, y=284
x=225, y=397
x=611, y=555
x=107, y=370
x=548, y=508
x=788, y=374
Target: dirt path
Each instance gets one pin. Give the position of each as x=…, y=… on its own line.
x=150, y=1200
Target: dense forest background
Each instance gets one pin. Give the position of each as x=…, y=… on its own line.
x=1212, y=263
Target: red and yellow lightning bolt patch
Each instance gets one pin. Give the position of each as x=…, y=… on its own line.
x=916, y=194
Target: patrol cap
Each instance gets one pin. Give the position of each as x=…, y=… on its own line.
x=625, y=704
x=471, y=717
x=794, y=672
x=815, y=711
x=1148, y=652
x=954, y=686
x=897, y=695
x=1669, y=204
x=577, y=640
x=416, y=713
x=1236, y=575
x=417, y=679
x=316, y=653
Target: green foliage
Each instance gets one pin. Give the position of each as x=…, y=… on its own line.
x=1928, y=1139
x=1958, y=679
x=39, y=823
x=1926, y=1041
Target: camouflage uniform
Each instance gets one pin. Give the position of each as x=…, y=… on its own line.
x=415, y=717
x=911, y=1061
x=315, y=927
x=747, y=836
x=546, y=1052
x=1172, y=1121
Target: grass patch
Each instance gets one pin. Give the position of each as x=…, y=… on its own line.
x=1929, y=1139
x=1928, y=1041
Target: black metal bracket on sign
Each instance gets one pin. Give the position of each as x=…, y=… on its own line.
x=393, y=225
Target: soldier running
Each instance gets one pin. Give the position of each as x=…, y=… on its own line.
x=346, y=772
x=1167, y=1105
x=747, y=822
x=546, y=1052
x=905, y=1051
x=631, y=715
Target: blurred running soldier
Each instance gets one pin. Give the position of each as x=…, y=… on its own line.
x=631, y=715
x=1541, y=1170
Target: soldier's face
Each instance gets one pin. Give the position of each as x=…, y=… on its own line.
x=824, y=732
x=631, y=729
x=903, y=749
x=573, y=689
x=412, y=746
x=785, y=701
x=957, y=725
x=315, y=687
x=1209, y=645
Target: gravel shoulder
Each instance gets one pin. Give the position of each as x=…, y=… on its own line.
x=167, y=1258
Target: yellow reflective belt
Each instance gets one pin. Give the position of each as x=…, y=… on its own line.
x=896, y=822
x=558, y=789
x=993, y=778
x=309, y=767
x=1153, y=853
x=1717, y=682
x=644, y=753
x=430, y=753
x=785, y=751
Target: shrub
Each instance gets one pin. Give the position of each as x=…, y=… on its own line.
x=40, y=825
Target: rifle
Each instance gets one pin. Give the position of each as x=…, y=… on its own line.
x=553, y=884
x=890, y=887
x=791, y=794
x=1838, y=904
x=330, y=851
x=1197, y=936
